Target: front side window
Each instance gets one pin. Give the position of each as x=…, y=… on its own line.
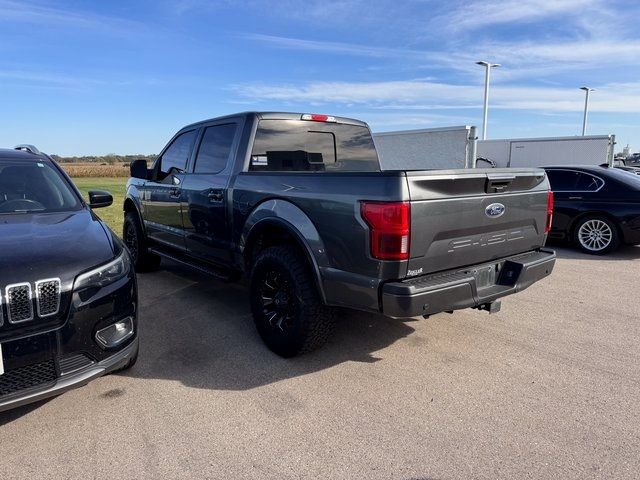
x=175, y=157
x=29, y=187
x=299, y=146
x=215, y=148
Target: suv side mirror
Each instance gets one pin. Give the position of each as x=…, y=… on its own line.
x=99, y=199
x=138, y=169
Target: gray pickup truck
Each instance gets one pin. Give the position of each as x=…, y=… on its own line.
x=297, y=204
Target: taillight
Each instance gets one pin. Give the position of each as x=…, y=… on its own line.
x=549, y=211
x=390, y=224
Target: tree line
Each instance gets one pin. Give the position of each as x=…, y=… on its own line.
x=110, y=159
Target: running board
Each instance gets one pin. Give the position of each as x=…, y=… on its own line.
x=219, y=273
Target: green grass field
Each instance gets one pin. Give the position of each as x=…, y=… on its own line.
x=116, y=186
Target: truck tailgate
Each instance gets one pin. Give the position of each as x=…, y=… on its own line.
x=466, y=217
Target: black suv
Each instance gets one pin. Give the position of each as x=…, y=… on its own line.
x=68, y=294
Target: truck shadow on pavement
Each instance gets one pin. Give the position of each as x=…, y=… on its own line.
x=625, y=252
x=200, y=332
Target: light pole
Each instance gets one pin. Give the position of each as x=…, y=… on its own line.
x=586, y=108
x=488, y=67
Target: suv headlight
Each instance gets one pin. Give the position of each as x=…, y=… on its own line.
x=105, y=274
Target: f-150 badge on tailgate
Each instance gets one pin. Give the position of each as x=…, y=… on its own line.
x=495, y=210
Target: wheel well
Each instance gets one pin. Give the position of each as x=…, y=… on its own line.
x=269, y=234
x=129, y=206
x=608, y=216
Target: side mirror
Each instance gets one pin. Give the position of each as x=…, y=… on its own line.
x=99, y=199
x=138, y=169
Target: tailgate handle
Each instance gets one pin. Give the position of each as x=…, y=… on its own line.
x=498, y=183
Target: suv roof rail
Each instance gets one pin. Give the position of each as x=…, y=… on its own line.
x=28, y=148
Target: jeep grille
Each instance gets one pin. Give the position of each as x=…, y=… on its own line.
x=19, y=303
x=48, y=297
x=19, y=300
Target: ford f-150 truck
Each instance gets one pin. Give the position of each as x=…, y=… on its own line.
x=298, y=204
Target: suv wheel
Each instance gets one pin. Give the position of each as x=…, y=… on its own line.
x=596, y=235
x=134, y=239
x=287, y=309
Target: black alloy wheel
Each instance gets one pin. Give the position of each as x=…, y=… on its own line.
x=286, y=306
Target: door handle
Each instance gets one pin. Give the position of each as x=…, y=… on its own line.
x=575, y=198
x=174, y=193
x=215, y=195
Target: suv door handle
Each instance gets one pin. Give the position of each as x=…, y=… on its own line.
x=174, y=193
x=216, y=195
x=575, y=198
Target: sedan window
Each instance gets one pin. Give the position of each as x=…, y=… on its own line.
x=563, y=180
x=588, y=183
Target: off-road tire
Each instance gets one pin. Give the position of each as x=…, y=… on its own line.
x=136, y=242
x=307, y=323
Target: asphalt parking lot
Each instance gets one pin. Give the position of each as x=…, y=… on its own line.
x=547, y=388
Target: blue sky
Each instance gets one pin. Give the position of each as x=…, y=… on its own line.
x=80, y=77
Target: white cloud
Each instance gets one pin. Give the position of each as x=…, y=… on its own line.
x=584, y=52
x=474, y=15
x=25, y=12
x=341, y=47
x=420, y=95
x=520, y=59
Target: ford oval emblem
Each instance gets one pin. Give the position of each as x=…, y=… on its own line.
x=495, y=210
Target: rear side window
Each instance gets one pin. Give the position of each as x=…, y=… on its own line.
x=303, y=146
x=175, y=157
x=588, y=183
x=215, y=148
x=563, y=180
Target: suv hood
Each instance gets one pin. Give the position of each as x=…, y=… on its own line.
x=51, y=245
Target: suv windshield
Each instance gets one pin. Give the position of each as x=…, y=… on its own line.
x=34, y=186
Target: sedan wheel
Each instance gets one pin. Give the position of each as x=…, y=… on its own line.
x=597, y=235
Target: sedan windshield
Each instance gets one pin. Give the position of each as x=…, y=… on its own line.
x=28, y=186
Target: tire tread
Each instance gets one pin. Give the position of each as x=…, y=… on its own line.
x=318, y=319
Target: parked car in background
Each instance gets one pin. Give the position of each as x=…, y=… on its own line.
x=298, y=203
x=596, y=208
x=68, y=295
x=633, y=160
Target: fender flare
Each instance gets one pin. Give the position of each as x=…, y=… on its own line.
x=130, y=199
x=286, y=215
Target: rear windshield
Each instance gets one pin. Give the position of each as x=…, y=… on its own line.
x=303, y=146
x=28, y=186
x=628, y=178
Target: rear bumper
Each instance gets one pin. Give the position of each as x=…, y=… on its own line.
x=464, y=288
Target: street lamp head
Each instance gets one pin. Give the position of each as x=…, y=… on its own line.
x=487, y=64
x=587, y=89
